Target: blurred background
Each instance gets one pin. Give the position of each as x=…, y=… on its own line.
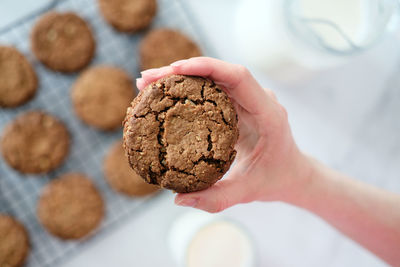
x=335, y=66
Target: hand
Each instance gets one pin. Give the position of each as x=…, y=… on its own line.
x=268, y=165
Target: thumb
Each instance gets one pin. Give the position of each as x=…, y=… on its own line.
x=218, y=197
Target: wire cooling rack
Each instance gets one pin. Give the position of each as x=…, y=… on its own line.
x=19, y=193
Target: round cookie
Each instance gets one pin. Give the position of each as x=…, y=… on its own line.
x=63, y=41
x=18, y=80
x=14, y=242
x=180, y=133
x=35, y=142
x=128, y=15
x=102, y=90
x=161, y=47
x=70, y=207
x=121, y=177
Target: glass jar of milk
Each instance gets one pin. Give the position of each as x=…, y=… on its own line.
x=274, y=35
x=199, y=239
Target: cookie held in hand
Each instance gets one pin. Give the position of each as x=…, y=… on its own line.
x=180, y=133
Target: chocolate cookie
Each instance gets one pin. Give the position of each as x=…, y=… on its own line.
x=63, y=41
x=70, y=206
x=163, y=46
x=121, y=177
x=35, y=142
x=180, y=133
x=18, y=81
x=128, y=15
x=14, y=242
x=102, y=90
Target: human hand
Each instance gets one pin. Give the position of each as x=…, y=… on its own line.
x=268, y=165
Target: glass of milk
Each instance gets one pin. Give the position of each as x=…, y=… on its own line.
x=276, y=35
x=198, y=239
x=339, y=26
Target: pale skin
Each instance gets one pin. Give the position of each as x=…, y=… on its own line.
x=270, y=167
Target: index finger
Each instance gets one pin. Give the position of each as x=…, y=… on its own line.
x=237, y=80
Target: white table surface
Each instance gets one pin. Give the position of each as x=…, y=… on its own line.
x=347, y=117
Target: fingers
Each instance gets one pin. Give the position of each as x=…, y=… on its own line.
x=271, y=94
x=237, y=80
x=152, y=75
x=220, y=196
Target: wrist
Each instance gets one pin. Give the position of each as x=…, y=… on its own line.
x=304, y=179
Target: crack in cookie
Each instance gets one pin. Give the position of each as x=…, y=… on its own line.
x=180, y=133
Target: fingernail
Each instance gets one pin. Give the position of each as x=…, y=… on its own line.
x=139, y=83
x=148, y=71
x=179, y=63
x=188, y=202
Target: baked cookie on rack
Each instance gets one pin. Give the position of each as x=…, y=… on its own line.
x=14, y=242
x=35, y=142
x=101, y=95
x=128, y=15
x=63, y=41
x=70, y=206
x=121, y=177
x=18, y=80
x=161, y=47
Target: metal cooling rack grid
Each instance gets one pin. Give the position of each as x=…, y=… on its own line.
x=19, y=193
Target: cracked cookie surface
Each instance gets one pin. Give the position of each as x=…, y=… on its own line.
x=35, y=142
x=180, y=133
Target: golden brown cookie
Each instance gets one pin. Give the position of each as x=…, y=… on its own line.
x=18, y=80
x=35, y=142
x=70, y=207
x=161, y=47
x=121, y=177
x=128, y=15
x=101, y=95
x=63, y=41
x=180, y=133
x=14, y=242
